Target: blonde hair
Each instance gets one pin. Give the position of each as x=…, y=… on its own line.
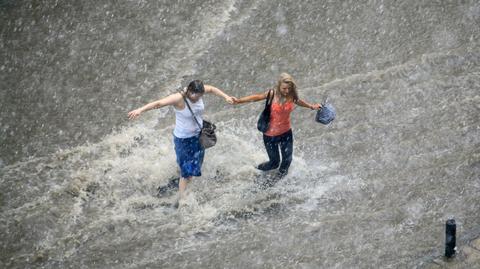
x=288, y=79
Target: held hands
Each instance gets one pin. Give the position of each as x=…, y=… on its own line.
x=134, y=114
x=230, y=100
x=235, y=101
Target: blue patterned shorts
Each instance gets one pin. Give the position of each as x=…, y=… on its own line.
x=189, y=155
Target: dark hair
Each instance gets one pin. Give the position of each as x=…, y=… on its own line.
x=196, y=86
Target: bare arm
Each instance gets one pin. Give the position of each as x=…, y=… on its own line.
x=302, y=103
x=251, y=98
x=218, y=92
x=172, y=99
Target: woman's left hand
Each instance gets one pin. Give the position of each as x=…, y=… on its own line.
x=316, y=106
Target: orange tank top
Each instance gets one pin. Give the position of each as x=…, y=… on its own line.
x=279, y=118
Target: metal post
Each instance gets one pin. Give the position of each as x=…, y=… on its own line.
x=450, y=238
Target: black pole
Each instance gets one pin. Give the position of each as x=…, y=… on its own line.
x=450, y=238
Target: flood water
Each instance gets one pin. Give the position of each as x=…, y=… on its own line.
x=371, y=190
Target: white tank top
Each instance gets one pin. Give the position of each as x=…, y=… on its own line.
x=185, y=125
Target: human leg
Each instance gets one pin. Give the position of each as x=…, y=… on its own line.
x=286, y=148
x=190, y=159
x=271, y=146
x=182, y=186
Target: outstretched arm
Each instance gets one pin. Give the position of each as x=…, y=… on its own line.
x=251, y=98
x=218, y=92
x=302, y=103
x=169, y=100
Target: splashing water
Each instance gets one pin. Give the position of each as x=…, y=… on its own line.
x=372, y=189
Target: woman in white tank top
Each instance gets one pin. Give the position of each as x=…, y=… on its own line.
x=186, y=133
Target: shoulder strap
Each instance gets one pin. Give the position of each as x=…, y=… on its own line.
x=269, y=100
x=189, y=108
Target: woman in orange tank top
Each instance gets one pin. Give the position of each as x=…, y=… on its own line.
x=279, y=133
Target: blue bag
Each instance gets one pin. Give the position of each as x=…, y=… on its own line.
x=326, y=114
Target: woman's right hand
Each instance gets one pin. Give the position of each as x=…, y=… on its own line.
x=230, y=100
x=134, y=114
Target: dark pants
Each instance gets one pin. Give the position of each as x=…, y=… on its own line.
x=272, y=144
